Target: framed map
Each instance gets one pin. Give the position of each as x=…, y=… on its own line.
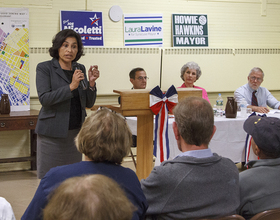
x=14, y=57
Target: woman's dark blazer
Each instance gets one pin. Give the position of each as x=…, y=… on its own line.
x=55, y=97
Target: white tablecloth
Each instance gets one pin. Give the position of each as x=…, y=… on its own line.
x=228, y=141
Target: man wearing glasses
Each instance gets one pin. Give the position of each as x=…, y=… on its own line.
x=257, y=97
x=138, y=78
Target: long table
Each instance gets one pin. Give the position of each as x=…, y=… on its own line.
x=228, y=141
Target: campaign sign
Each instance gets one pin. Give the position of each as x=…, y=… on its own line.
x=86, y=23
x=190, y=30
x=143, y=30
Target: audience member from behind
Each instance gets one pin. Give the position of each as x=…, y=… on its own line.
x=104, y=139
x=191, y=72
x=89, y=197
x=197, y=183
x=138, y=78
x=257, y=97
x=260, y=185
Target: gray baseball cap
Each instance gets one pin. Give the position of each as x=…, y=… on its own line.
x=265, y=132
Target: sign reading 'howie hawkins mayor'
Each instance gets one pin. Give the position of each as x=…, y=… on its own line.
x=189, y=30
x=86, y=23
x=143, y=30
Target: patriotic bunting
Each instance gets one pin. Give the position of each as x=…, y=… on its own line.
x=160, y=104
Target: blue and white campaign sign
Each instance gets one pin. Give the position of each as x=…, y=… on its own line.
x=88, y=24
x=143, y=30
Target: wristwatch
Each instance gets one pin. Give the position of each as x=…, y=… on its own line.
x=92, y=88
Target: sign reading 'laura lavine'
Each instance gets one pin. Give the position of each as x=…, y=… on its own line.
x=143, y=30
x=189, y=30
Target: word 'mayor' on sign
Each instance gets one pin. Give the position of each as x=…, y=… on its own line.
x=189, y=30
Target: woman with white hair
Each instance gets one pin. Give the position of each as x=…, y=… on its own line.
x=191, y=72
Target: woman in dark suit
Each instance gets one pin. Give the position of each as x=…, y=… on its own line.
x=63, y=100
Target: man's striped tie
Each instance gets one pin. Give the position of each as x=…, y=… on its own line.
x=254, y=99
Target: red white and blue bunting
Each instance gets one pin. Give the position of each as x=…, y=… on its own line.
x=160, y=104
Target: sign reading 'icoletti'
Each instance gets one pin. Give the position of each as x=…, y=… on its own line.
x=86, y=23
x=189, y=30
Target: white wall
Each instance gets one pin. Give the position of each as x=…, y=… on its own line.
x=233, y=25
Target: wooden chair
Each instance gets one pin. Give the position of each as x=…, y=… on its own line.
x=230, y=217
x=272, y=214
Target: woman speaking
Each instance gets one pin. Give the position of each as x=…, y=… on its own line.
x=64, y=92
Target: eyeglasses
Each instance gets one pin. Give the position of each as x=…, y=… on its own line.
x=110, y=110
x=142, y=78
x=253, y=78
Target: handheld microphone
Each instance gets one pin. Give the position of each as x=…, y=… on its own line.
x=83, y=83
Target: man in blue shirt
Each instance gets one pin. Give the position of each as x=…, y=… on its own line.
x=257, y=97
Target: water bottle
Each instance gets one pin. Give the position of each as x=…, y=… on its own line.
x=243, y=107
x=215, y=110
x=219, y=104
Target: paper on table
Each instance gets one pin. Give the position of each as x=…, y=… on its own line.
x=274, y=111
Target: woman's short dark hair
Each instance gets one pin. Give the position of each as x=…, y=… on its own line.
x=60, y=38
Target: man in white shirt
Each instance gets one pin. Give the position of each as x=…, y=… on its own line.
x=138, y=78
x=257, y=97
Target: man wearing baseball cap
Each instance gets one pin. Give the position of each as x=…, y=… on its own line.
x=260, y=185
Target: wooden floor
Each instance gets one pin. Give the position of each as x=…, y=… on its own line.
x=18, y=187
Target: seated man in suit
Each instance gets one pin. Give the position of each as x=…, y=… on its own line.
x=138, y=78
x=260, y=185
x=197, y=183
x=257, y=97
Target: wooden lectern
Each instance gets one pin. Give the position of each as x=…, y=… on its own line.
x=136, y=103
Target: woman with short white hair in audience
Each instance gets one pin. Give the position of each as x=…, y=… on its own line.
x=190, y=73
x=104, y=139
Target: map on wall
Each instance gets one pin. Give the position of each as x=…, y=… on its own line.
x=14, y=57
